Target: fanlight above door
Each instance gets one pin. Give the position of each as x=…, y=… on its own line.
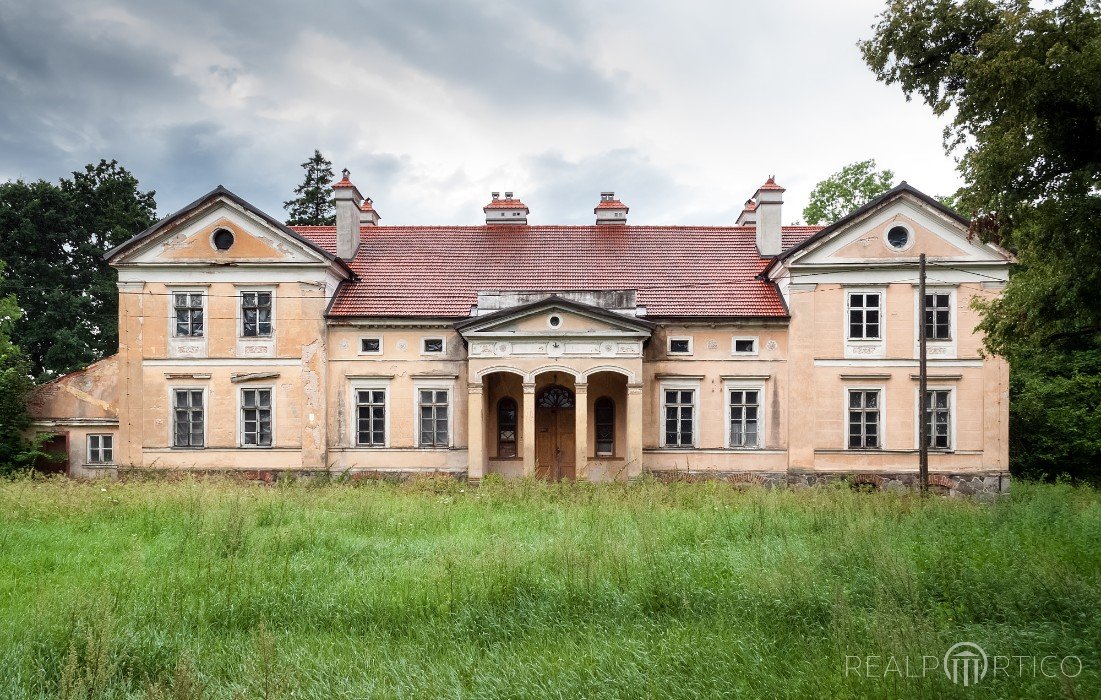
x=555, y=396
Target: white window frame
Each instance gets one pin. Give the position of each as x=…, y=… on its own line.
x=100, y=437
x=357, y=385
x=435, y=385
x=365, y=338
x=882, y=389
x=951, y=418
x=172, y=292
x=241, y=416
x=678, y=353
x=756, y=340
x=241, y=291
x=882, y=293
x=681, y=385
x=744, y=385
x=434, y=353
x=172, y=416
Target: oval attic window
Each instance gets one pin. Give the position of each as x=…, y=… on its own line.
x=898, y=237
x=223, y=239
x=555, y=321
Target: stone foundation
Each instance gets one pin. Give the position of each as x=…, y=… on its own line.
x=945, y=484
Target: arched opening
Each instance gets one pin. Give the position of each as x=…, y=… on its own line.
x=555, y=447
x=504, y=416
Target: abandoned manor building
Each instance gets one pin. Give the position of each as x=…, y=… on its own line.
x=748, y=350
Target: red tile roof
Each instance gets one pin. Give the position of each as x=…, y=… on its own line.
x=367, y=205
x=750, y=205
x=437, y=271
x=770, y=184
x=611, y=204
x=506, y=204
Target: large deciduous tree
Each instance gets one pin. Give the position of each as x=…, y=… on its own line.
x=1021, y=85
x=313, y=205
x=54, y=238
x=15, y=387
x=850, y=188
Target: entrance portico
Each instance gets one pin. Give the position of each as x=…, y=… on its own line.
x=555, y=392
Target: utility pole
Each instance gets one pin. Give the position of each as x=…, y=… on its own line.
x=923, y=377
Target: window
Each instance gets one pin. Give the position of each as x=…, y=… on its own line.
x=256, y=314
x=898, y=237
x=223, y=239
x=188, y=308
x=370, y=346
x=101, y=449
x=433, y=417
x=679, y=417
x=188, y=424
x=371, y=417
x=745, y=346
x=938, y=418
x=506, y=428
x=863, y=419
x=604, y=424
x=554, y=321
x=864, y=315
x=745, y=405
x=680, y=346
x=256, y=428
x=432, y=346
x=938, y=315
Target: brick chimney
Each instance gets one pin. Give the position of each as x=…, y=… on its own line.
x=610, y=210
x=508, y=210
x=347, y=217
x=769, y=198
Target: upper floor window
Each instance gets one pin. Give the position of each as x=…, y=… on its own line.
x=188, y=419
x=938, y=419
x=256, y=423
x=745, y=407
x=680, y=346
x=744, y=346
x=864, y=312
x=604, y=425
x=370, y=346
x=101, y=449
x=864, y=419
x=506, y=428
x=432, y=346
x=256, y=314
x=938, y=316
x=188, y=312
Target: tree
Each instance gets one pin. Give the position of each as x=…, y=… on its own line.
x=1022, y=87
x=15, y=387
x=314, y=204
x=850, y=188
x=54, y=238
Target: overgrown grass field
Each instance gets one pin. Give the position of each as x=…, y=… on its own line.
x=215, y=589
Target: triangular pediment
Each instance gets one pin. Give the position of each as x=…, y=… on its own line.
x=199, y=233
x=898, y=227
x=555, y=316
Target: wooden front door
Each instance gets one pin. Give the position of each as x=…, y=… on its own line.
x=555, y=454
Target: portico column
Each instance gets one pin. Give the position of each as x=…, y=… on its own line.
x=528, y=437
x=634, y=430
x=475, y=436
x=581, y=429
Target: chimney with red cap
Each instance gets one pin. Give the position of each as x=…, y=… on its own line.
x=509, y=210
x=610, y=210
x=347, y=217
x=769, y=199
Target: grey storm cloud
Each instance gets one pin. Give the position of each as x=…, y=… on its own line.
x=433, y=104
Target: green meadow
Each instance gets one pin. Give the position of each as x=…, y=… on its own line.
x=218, y=589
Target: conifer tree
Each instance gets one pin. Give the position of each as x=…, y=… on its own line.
x=313, y=205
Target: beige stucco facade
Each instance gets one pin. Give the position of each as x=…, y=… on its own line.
x=473, y=396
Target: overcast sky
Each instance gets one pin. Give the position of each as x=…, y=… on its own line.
x=683, y=108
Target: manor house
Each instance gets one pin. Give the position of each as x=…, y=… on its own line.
x=748, y=350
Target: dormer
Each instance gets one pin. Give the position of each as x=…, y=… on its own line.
x=610, y=210
x=507, y=210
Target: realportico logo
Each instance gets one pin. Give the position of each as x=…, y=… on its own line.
x=965, y=664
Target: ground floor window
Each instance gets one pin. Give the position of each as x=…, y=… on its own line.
x=433, y=416
x=745, y=408
x=256, y=428
x=188, y=426
x=604, y=426
x=680, y=417
x=506, y=427
x=938, y=419
x=371, y=417
x=101, y=449
x=864, y=419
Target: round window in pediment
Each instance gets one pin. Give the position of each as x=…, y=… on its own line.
x=898, y=237
x=223, y=239
x=555, y=321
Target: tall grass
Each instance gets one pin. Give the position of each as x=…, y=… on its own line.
x=213, y=589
